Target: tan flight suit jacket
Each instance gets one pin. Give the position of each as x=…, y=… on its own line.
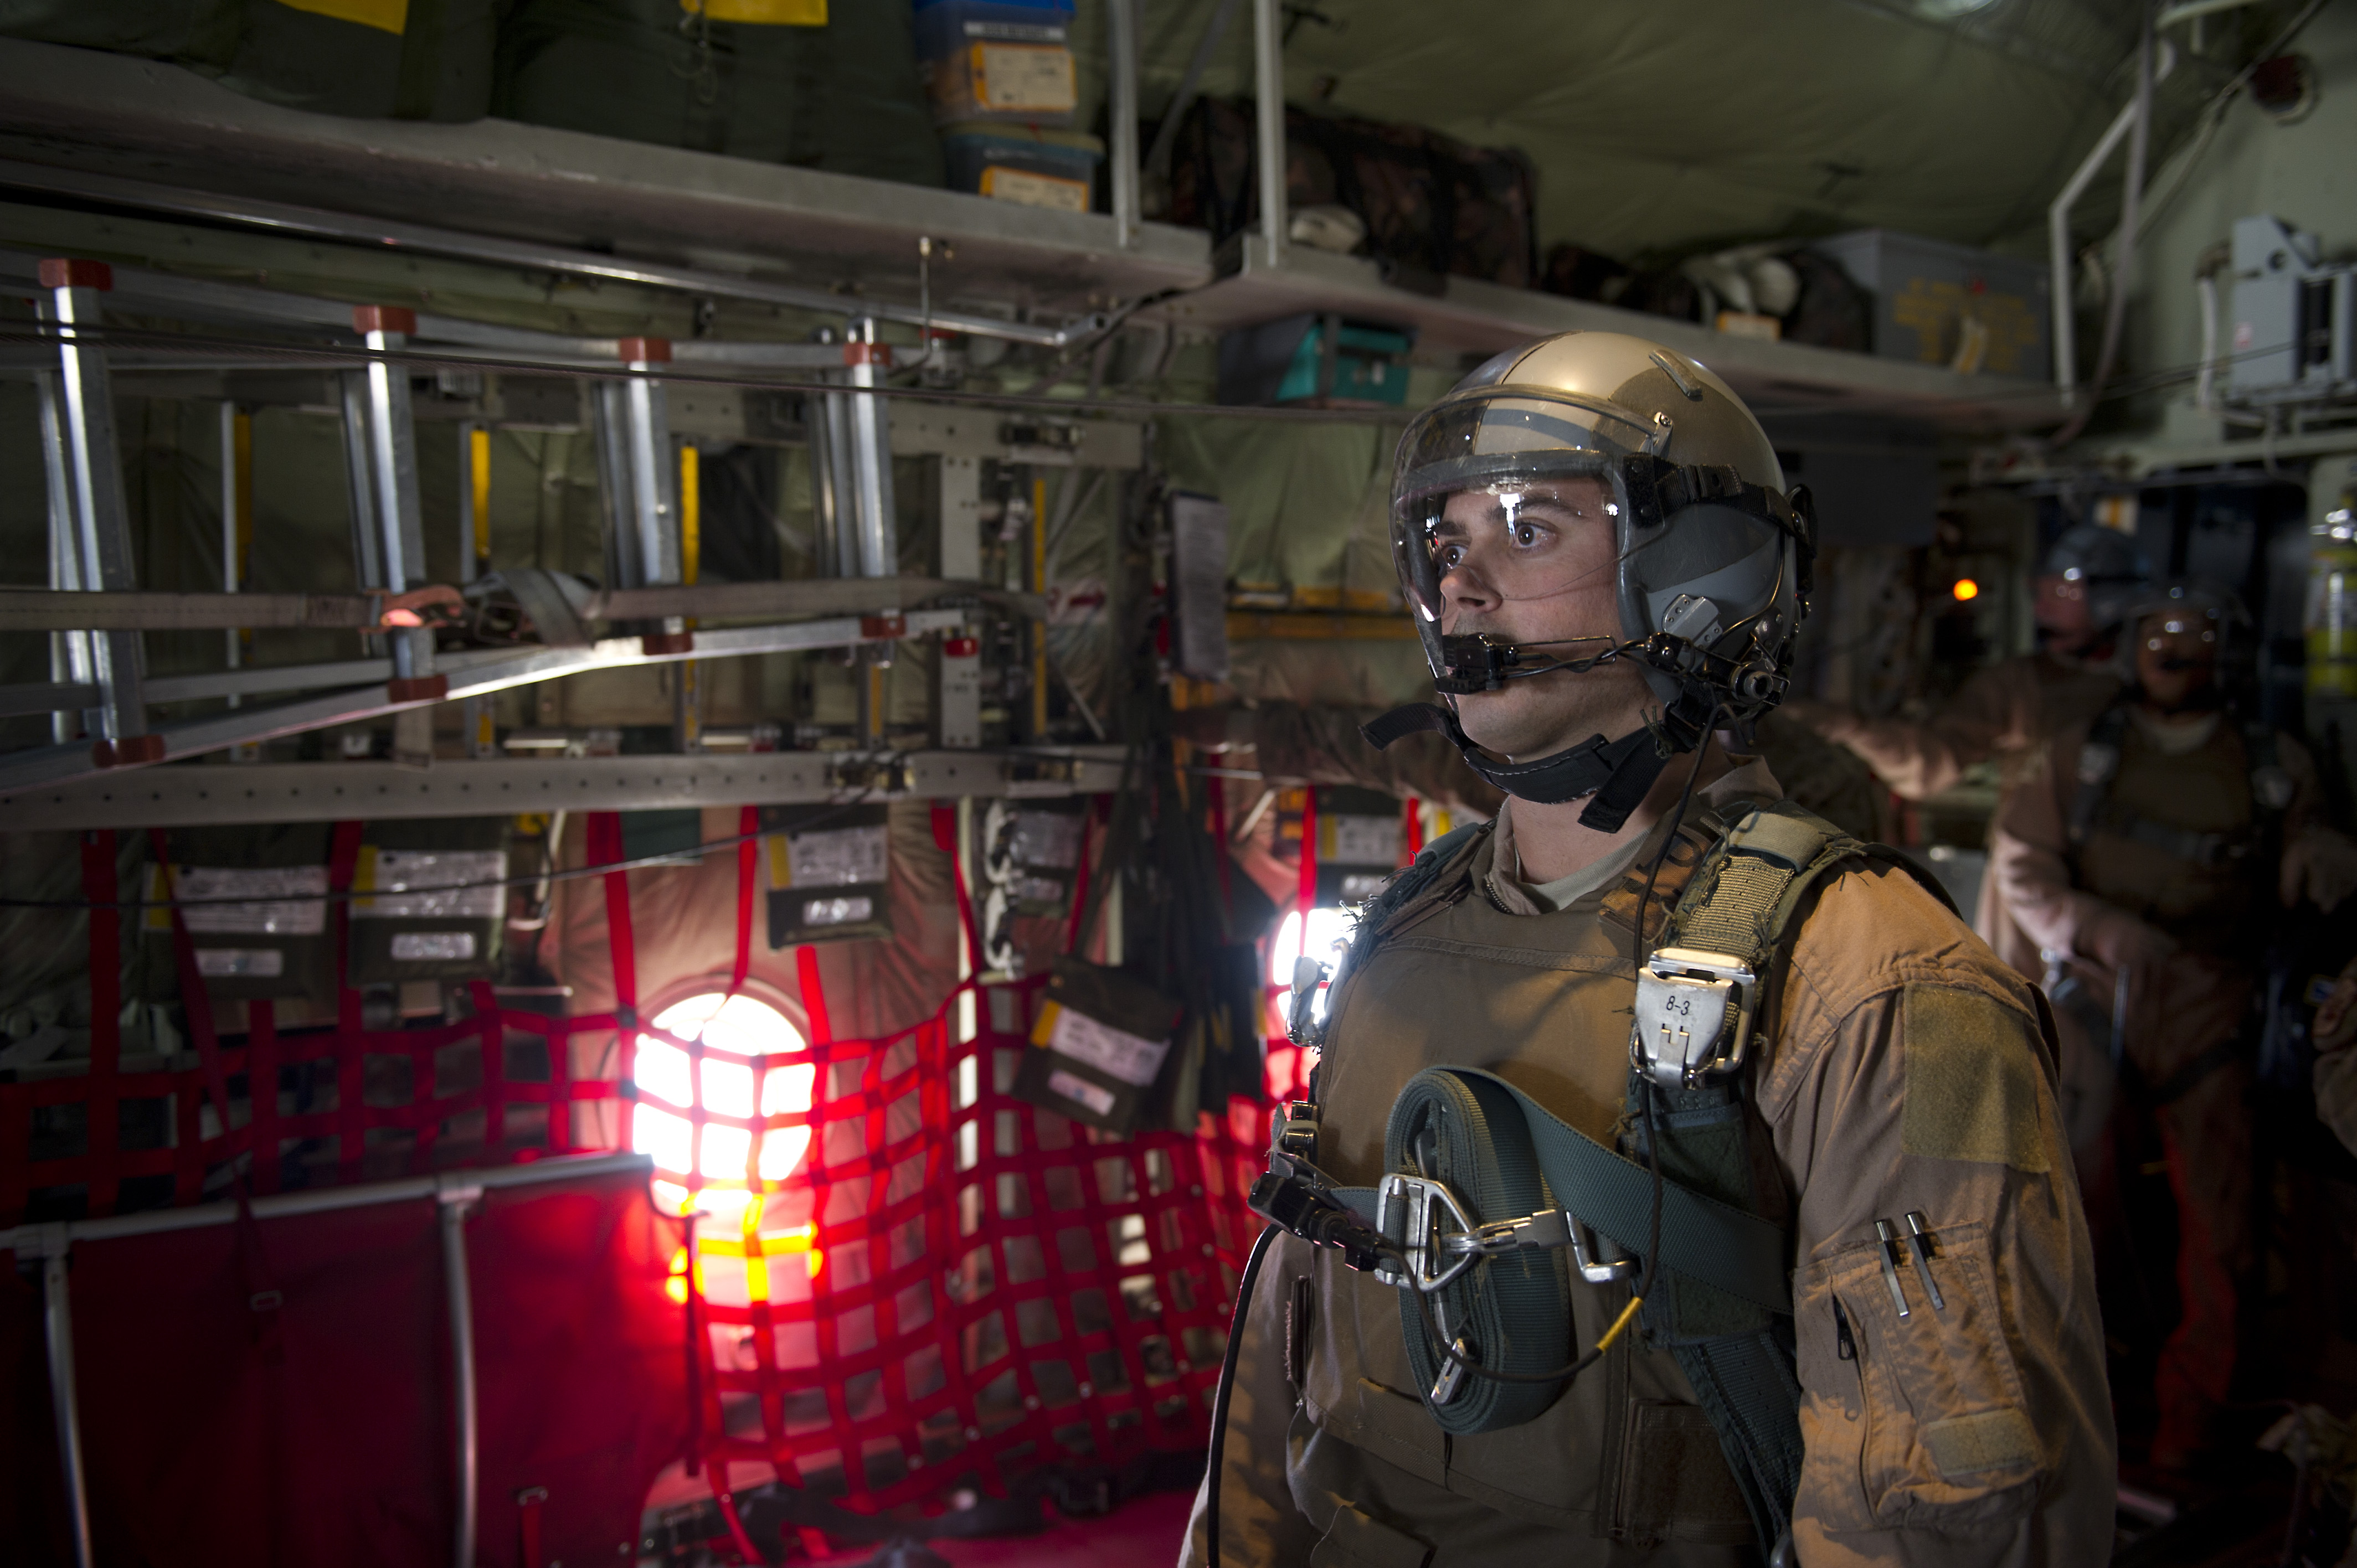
x=2201, y=995
x=2007, y=712
x=1905, y=1069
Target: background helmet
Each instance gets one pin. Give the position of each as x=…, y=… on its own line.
x=1713, y=552
x=2112, y=570
x=2217, y=608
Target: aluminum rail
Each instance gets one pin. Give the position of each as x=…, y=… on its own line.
x=281, y=792
x=2058, y=233
x=1268, y=124
x=287, y=217
x=193, y=738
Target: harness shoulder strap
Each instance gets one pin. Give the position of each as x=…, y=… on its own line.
x=2099, y=764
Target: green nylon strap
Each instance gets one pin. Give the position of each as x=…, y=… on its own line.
x=1741, y=1254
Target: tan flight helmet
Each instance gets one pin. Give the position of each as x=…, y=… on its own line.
x=1713, y=560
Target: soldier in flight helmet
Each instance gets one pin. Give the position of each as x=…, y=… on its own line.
x=1862, y=1327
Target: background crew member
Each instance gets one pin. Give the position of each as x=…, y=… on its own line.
x=2143, y=855
x=2009, y=711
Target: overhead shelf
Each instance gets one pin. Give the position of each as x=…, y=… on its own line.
x=78, y=114
x=113, y=115
x=1474, y=318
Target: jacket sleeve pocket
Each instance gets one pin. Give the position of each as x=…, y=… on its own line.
x=1916, y=1420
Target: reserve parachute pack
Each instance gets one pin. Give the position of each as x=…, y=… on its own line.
x=1491, y=1201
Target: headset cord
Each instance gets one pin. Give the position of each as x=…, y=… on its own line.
x=1226, y=1385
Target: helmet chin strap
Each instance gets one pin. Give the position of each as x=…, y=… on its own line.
x=1616, y=774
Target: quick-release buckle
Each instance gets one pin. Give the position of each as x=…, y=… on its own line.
x=1688, y=1003
x=1424, y=1218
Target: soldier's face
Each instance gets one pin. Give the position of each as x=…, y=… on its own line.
x=2177, y=657
x=1536, y=565
x=2060, y=606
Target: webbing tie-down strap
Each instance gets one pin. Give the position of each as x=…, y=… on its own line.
x=1741, y=1254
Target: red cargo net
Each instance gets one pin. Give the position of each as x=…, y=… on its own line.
x=944, y=1285
x=949, y=1283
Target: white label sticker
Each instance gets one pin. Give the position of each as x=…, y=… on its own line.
x=1028, y=189
x=1037, y=78
x=430, y=885
x=1051, y=839
x=1106, y=1048
x=838, y=857
x=1358, y=841
x=241, y=964
x=430, y=947
x=281, y=908
x=838, y=911
x=1081, y=1091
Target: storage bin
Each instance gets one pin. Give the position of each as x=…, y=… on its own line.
x=1036, y=165
x=1939, y=304
x=1324, y=360
x=1006, y=61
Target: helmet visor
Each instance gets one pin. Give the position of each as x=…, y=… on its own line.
x=1508, y=489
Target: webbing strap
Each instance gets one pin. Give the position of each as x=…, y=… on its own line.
x=1702, y=1237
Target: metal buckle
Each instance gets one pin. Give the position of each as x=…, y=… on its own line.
x=1417, y=1200
x=1684, y=1004
x=1405, y=1210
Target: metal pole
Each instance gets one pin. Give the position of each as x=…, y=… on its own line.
x=232, y=493
x=102, y=530
x=455, y=1202
x=70, y=659
x=1268, y=84
x=57, y=1316
x=1120, y=35
x=1158, y=156
x=2058, y=235
x=865, y=361
x=392, y=475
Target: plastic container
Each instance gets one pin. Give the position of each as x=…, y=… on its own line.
x=1321, y=359
x=1035, y=166
x=1003, y=61
x=1939, y=304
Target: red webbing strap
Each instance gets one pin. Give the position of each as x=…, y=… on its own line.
x=945, y=840
x=603, y=846
x=530, y=1500
x=1306, y=899
x=351, y=1037
x=818, y=1026
x=1410, y=830
x=697, y=1351
x=263, y=1297
x=100, y=887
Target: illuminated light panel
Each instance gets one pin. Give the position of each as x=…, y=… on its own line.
x=782, y=1149
x=727, y=1087
x=724, y=1151
x=787, y=1089
x=1966, y=589
x=661, y=1136
x=724, y=1206
x=662, y=1071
